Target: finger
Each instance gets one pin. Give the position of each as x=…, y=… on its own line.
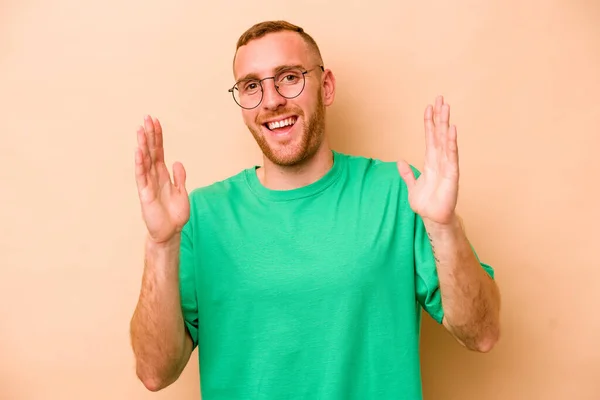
x=444, y=115
x=160, y=153
x=143, y=145
x=140, y=172
x=179, y=176
x=452, y=147
x=429, y=128
x=442, y=126
x=439, y=101
x=158, y=131
x=406, y=173
x=150, y=137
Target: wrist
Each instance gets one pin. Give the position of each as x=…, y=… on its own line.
x=166, y=245
x=451, y=226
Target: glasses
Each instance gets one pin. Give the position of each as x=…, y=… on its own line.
x=289, y=83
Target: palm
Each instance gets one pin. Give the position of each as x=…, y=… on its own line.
x=434, y=194
x=165, y=204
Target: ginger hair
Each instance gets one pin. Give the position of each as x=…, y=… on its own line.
x=261, y=29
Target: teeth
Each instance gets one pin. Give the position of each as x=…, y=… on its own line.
x=282, y=123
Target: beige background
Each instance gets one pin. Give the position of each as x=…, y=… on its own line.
x=76, y=78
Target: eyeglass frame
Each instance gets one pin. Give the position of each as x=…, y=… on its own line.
x=262, y=90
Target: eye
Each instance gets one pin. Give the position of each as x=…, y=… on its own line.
x=290, y=77
x=249, y=86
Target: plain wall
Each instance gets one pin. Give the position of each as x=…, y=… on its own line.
x=77, y=77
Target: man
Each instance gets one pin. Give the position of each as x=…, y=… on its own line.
x=304, y=278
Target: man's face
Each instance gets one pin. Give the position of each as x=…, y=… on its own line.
x=288, y=131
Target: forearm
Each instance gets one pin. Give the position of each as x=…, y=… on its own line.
x=470, y=297
x=159, y=340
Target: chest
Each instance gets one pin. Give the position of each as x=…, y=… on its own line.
x=285, y=252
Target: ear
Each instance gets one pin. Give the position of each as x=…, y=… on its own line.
x=328, y=87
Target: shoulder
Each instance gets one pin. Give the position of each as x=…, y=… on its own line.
x=219, y=190
x=210, y=202
x=375, y=170
x=217, y=197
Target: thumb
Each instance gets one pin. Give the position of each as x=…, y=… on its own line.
x=179, y=176
x=406, y=173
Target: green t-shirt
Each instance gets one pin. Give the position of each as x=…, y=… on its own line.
x=312, y=293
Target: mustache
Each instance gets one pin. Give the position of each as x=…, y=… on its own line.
x=261, y=119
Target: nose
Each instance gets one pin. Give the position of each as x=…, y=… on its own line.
x=271, y=98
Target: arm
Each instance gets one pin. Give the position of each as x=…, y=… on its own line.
x=161, y=344
x=470, y=297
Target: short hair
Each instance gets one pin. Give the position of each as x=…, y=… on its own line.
x=260, y=29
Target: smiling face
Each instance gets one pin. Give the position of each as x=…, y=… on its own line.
x=287, y=130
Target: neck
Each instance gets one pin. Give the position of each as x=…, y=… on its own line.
x=277, y=177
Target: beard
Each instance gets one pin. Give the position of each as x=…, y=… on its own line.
x=297, y=151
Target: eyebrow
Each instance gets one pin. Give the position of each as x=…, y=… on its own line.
x=277, y=70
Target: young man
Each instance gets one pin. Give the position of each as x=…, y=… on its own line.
x=304, y=278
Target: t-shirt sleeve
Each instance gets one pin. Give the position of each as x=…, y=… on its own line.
x=187, y=282
x=426, y=277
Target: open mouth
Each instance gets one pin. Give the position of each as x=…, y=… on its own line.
x=282, y=125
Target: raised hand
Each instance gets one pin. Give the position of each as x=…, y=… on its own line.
x=165, y=204
x=434, y=194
